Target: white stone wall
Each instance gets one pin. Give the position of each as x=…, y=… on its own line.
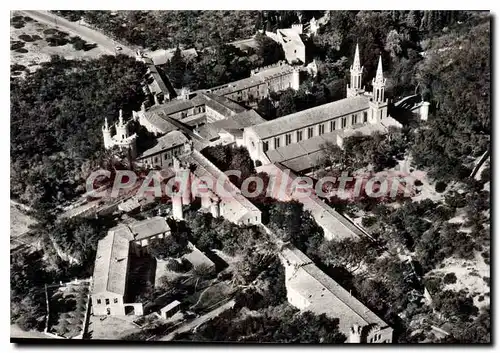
x=114, y=304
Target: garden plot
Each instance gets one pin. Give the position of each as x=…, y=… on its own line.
x=68, y=307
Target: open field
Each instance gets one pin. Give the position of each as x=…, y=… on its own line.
x=473, y=276
x=33, y=43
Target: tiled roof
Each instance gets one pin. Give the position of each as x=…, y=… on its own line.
x=228, y=106
x=177, y=105
x=324, y=295
x=290, y=35
x=310, y=116
x=248, y=118
x=259, y=77
x=197, y=257
x=161, y=81
x=238, y=121
x=209, y=131
x=171, y=139
x=157, y=119
x=149, y=227
x=111, y=264
x=170, y=306
x=204, y=168
x=304, y=154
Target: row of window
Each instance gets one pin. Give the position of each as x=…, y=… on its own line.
x=321, y=130
x=115, y=300
x=376, y=338
x=194, y=111
x=167, y=155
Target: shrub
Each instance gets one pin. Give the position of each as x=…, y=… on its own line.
x=17, y=67
x=440, y=186
x=486, y=175
x=368, y=221
x=21, y=50
x=79, y=44
x=455, y=200
x=16, y=45
x=450, y=278
x=56, y=41
x=89, y=46
x=50, y=31
x=258, y=163
x=74, y=39
x=444, y=213
x=455, y=304
x=173, y=265
x=433, y=284
x=26, y=38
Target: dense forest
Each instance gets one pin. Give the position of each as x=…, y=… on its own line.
x=56, y=118
x=221, y=64
x=187, y=29
x=442, y=55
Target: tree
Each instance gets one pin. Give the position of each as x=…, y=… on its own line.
x=176, y=68
x=277, y=324
x=198, y=273
x=171, y=246
x=290, y=222
x=347, y=253
x=227, y=157
x=393, y=43
x=268, y=50
x=56, y=125
x=286, y=103
x=448, y=141
x=455, y=304
x=265, y=107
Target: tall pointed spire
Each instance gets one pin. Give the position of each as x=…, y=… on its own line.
x=357, y=63
x=106, y=125
x=355, y=88
x=379, y=83
x=380, y=74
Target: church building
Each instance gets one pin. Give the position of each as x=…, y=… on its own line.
x=297, y=140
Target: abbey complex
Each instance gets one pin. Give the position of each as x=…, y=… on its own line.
x=220, y=115
x=309, y=184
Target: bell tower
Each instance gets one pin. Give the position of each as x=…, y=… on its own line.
x=378, y=103
x=354, y=88
x=379, y=83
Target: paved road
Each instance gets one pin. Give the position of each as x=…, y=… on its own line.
x=90, y=35
x=198, y=321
